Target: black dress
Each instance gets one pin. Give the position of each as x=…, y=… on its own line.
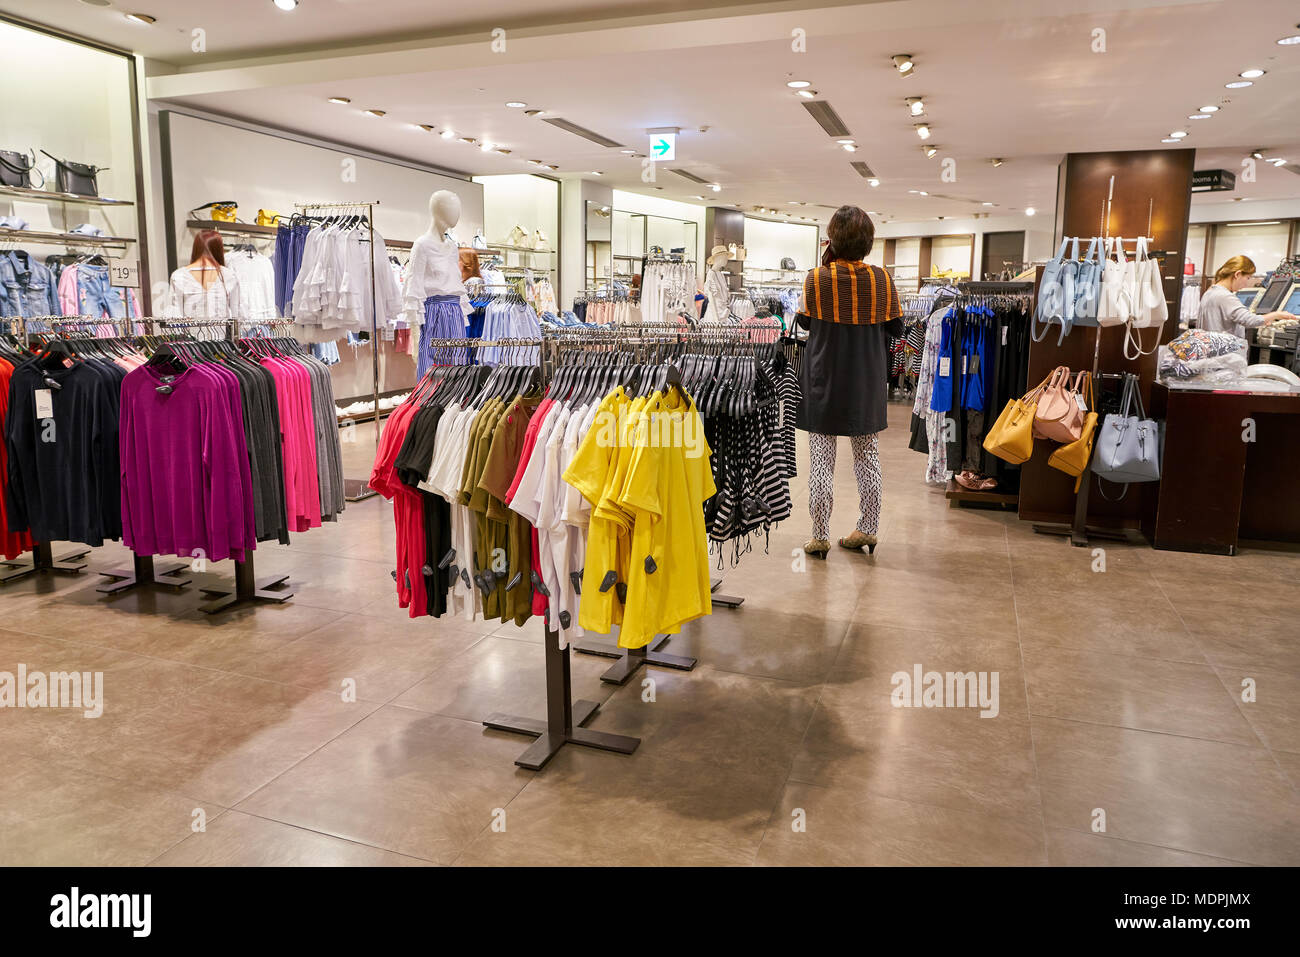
x=844, y=376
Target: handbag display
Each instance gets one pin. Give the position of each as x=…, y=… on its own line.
x=267, y=218
x=221, y=211
x=1060, y=411
x=1128, y=444
x=1011, y=438
x=1114, y=302
x=1056, y=293
x=1087, y=285
x=78, y=178
x=1073, y=458
x=16, y=171
x=1149, y=307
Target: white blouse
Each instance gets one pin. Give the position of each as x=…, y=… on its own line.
x=187, y=299
x=434, y=270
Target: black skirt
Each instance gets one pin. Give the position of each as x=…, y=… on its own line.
x=844, y=377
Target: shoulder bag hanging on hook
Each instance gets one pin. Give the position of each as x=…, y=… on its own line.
x=1056, y=293
x=1087, y=284
x=1128, y=445
x=1114, y=298
x=1149, y=307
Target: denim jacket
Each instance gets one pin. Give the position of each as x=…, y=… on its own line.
x=27, y=287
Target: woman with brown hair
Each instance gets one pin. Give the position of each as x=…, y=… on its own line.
x=1222, y=311
x=850, y=309
x=205, y=289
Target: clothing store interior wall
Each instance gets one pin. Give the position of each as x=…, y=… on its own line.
x=449, y=243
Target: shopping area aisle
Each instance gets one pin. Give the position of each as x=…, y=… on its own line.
x=1119, y=690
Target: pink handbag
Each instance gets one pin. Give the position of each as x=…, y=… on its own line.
x=1060, y=412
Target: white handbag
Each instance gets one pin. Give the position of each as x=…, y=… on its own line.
x=1149, y=307
x=1114, y=305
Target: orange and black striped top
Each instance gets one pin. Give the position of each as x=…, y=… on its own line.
x=851, y=292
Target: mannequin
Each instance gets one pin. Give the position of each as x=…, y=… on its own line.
x=717, y=287
x=434, y=299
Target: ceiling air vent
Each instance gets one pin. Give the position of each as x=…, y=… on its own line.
x=582, y=131
x=863, y=170
x=827, y=118
x=686, y=174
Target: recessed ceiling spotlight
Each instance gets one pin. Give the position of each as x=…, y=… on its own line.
x=1238, y=84
x=1178, y=134
x=1252, y=74
x=996, y=161
x=798, y=84
x=596, y=172
x=141, y=18
x=849, y=147
x=923, y=130
x=467, y=139
x=285, y=4
x=503, y=150
x=988, y=204
x=516, y=104
x=843, y=141
x=553, y=166
x=340, y=99
x=697, y=197
x=1289, y=41
x=627, y=152
x=929, y=150
x=447, y=134
x=1169, y=140
x=1029, y=210
x=715, y=187
x=916, y=105
x=806, y=94
x=1258, y=154
x=1199, y=116
x=921, y=192
x=376, y=112
x=873, y=182
x=904, y=64
x=487, y=147
x=533, y=112
x=1278, y=161
x=1208, y=109
x=424, y=126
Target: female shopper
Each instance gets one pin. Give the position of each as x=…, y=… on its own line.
x=1222, y=311
x=206, y=288
x=849, y=309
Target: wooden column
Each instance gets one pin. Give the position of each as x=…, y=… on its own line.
x=1150, y=186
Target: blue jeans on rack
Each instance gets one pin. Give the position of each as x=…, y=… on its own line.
x=96, y=294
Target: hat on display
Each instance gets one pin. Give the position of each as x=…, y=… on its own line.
x=788, y=263
x=12, y=222
x=86, y=229
x=720, y=254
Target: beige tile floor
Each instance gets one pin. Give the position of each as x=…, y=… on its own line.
x=227, y=740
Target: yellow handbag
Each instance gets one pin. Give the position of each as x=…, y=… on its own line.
x=1012, y=436
x=267, y=218
x=1073, y=458
x=223, y=211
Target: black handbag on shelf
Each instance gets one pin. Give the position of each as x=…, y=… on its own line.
x=76, y=178
x=16, y=171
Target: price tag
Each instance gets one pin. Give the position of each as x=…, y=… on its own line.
x=975, y=364
x=1083, y=406
x=1004, y=334
x=124, y=272
x=44, y=404
x=944, y=367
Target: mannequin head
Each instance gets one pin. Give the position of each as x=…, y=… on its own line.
x=444, y=209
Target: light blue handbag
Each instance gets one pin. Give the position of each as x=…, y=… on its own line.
x=1087, y=285
x=1128, y=445
x=1056, y=293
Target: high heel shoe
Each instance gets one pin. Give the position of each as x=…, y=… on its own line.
x=818, y=547
x=857, y=540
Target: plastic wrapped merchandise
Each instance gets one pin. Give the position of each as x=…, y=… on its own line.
x=1199, y=357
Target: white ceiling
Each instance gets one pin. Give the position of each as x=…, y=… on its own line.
x=1000, y=78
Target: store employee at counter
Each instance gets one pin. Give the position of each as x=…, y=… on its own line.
x=1222, y=311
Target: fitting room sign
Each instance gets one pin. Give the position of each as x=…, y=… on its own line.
x=124, y=272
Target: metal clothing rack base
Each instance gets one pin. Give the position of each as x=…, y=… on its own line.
x=727, y=601
x=43, y=560
x=142, y=573
x=564, y=716
x=629, y=660
x=247, y=589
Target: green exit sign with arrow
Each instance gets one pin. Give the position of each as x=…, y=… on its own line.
x=663, y=146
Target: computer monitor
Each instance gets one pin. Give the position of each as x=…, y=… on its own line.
x=1249, y=297
x=1291, y=302
x=1274, y=293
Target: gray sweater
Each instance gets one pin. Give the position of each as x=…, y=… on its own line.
x=1221, y=311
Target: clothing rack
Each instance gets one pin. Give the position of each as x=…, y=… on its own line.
x=359, y=489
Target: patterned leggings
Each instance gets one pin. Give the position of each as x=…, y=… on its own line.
x=821, y=482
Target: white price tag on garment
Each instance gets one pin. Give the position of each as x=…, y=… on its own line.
x=945, y=366
x=44, y=404
x=124, y=272
x=1004, y=334
x=1083, y=406
x=963, y=365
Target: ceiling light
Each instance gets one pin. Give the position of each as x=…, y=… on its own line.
x=916, y=105
x=1168, y=140
x=1178, y=134
x=339, y=99
x=1258, y=154
x=922, y=192
x=988, y=204
x=486, y=147
x=141, y=18
x=997, y=161
x=1278, y=161
x=929, y=150
x=627, y=152
x=447, y=134
x=1208, y=109
x=798, y=84
x=1289, y=41
x=849, y=148
x=532, y=112
x=697, y=197
x=903, y=63
x=1199, y=116
x=1252, y=74
x=596, y=172
x=843, y=141
x=503, y=150
x=923, y=130
x=553, y=166
x=1029, y=210
x=467, y=139
x=715, y=187
x=424, y=126
x=285, y=4
x=1238, y=84
x=516, y=105
x=376, y=112
x=806, y=94
x=873, y=182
